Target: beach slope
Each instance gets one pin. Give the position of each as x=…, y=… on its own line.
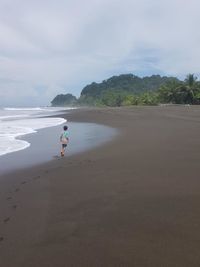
x=134, y=201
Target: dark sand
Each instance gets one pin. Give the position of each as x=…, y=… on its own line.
x=132, y=202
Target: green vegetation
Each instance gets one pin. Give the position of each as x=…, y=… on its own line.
x=127, y=90
x=128, y=83
x=64, y=100
x=186, y=92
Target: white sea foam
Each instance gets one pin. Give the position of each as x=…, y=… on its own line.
x=16, y=123
x=12, y=116
x=24, y=109
x=48, y=109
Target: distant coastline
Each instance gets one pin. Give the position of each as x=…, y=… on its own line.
x=129, y=90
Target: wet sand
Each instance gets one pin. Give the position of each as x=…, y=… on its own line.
x=131, y=202
x=45, y=144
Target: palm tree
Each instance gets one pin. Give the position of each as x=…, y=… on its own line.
x=191, y=80
x=192, y=87
x=187, y=92
x=184, y=95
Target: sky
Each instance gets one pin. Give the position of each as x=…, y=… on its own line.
x=52, y=47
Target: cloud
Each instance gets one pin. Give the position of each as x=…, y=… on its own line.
x=47, y=47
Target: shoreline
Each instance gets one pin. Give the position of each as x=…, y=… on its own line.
x=131, y=202
x=45, y=146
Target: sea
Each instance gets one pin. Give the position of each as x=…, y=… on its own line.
x=18, y=122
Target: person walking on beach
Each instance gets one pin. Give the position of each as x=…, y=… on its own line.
x=64, y=139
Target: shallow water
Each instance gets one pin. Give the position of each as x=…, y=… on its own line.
x=45, y=144
x=15, y=122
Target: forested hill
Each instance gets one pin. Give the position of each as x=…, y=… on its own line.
x=64, y=100
x=128, y=89
x=126, y=82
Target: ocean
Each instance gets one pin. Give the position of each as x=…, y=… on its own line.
x=17, y=122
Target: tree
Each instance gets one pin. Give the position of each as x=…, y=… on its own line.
x=128, y=89
x=191, y=80
x=128, y=83
x=64, y=100
x=112, y=99
x=184, y=95
x=148, y=99
x=187, y=92
x=130, y=100
x=166, y=92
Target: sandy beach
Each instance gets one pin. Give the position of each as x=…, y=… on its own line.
x=133, y=201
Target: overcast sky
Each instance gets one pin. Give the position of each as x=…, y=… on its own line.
x=50, y=47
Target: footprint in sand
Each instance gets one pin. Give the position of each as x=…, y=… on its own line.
x=1, y=238
x=9, y=198
x=17, y=189
x=36, y=177
x=56, y=157
x=14, y=207
x=24, y=182
x=6, y=220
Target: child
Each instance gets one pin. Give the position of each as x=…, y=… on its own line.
x=64, y=139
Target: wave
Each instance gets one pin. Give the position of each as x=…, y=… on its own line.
x=9, y=132
x=13, y=116
x=39, y=109
x=25, y=109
